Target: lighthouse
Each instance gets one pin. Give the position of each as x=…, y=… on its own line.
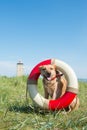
x=20, y=69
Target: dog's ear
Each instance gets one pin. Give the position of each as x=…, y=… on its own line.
x=57, y=72
x=56, y=69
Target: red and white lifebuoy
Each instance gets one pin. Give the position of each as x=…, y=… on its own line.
x=61, y=102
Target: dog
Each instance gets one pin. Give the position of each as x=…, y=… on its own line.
x=55, y=85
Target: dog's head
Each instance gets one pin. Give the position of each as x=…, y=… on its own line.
x=49, y=72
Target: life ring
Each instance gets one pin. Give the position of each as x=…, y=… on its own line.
x=61, y=102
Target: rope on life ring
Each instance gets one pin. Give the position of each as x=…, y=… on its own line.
x=61, y=102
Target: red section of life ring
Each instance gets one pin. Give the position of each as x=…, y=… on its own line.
x=62, y=102
x=35, y=72
x=59, y=103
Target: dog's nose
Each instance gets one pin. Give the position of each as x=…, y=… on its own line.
x=48, y=74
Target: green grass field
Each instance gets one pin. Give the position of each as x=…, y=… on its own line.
x=18, y=114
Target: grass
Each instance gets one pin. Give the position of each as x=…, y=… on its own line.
x=18, y=114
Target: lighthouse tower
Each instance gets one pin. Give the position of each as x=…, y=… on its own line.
x=20, y=69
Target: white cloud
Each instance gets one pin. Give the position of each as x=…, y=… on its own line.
x=27, y=69
x=81, y=72
x=7, y=68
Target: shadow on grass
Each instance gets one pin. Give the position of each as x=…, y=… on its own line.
x=27, y=109
x=24, y=109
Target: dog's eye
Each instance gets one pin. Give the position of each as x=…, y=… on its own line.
x=51, y=68
x=44, y=69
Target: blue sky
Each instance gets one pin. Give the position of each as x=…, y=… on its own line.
x=35, y=30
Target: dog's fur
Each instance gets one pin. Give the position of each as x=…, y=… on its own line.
x=55, y=85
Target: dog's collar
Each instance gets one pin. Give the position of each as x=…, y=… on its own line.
x=57, y=76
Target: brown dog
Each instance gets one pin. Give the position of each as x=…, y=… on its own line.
x=55, y=84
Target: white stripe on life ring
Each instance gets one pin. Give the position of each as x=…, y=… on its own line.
x=69, y=74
